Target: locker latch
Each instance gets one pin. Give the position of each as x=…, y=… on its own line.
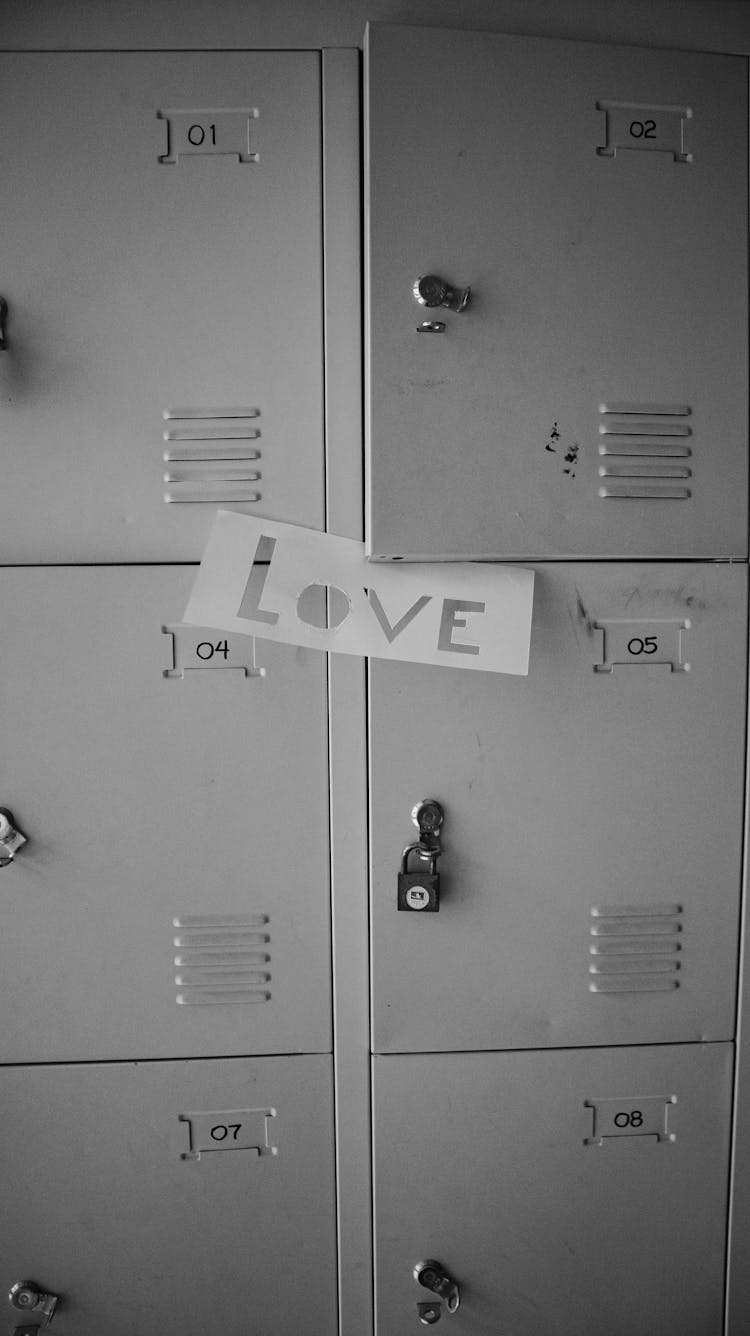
x=35, y=1304
x=11, y=838
x=420, y=890
x=3, y=319
x=433, y=1276
x=431, y=291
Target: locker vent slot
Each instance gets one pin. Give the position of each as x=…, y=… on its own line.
x=209, y=458
x=222, y=959
x=635, y=948
x=642, y=451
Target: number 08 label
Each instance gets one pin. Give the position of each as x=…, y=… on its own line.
x=631, y=1117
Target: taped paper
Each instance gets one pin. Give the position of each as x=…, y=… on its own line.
x=282, y=582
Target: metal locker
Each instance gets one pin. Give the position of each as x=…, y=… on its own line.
x=592, y=840
x=162, y=272
x=589, y=400
x=580, y=1191
x=172, y=898
x=738, y=1290
x=178, y=1197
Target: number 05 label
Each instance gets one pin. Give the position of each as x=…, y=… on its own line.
x=643, y=642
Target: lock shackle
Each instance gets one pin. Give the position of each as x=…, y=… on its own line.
x=426, y=855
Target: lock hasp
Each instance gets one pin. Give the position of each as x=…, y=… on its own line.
x=590, y=400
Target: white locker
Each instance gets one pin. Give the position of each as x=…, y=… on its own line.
x=582, y=1191
x=162, y=268
x=170, y=1197
x=590, y=400
x=173, y=896
x=592, y=842
x=169, y=897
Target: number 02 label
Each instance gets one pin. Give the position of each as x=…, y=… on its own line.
x=633, y=125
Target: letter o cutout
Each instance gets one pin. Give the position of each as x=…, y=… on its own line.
x=314, y=610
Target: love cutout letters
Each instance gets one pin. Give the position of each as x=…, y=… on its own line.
x=282, y=582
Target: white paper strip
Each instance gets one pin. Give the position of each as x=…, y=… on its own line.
x=267, y=579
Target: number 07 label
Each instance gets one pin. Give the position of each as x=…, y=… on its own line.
x=229, y=1129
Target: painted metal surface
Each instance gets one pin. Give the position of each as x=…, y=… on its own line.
x=718, y=25
x=103, y=1208
x=590, y=400
x=347, y=694
x=738, y=1288
x=591, y=863
x=484, y=1162
x=173, y=894
x=163, y=272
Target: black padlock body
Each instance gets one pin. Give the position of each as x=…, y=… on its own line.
x=429, y=882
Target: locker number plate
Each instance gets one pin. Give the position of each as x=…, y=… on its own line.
x=643, y=642
x=636, y=125
x=225, y=131
x=646, y=1116
x=229, y=1129
x=195, y=647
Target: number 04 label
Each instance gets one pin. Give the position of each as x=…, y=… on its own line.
x=195, y=647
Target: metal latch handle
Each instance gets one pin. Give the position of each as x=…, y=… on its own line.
x=433, y=1276
x=11, y=839
x=29, y=1299
x=429, y=290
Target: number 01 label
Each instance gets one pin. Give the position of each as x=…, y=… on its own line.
x=226, y=131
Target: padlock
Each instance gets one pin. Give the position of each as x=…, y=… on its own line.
x=419, y=892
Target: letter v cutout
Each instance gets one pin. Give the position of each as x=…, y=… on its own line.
x=390, y=632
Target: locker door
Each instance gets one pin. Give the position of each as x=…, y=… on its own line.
x=590, y=400
x=564, y=1192
x=172, y=898
x=162, y=270
x=109, y=1205
x=593, y=822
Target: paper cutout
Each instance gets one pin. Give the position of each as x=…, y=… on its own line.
x=257, y=576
